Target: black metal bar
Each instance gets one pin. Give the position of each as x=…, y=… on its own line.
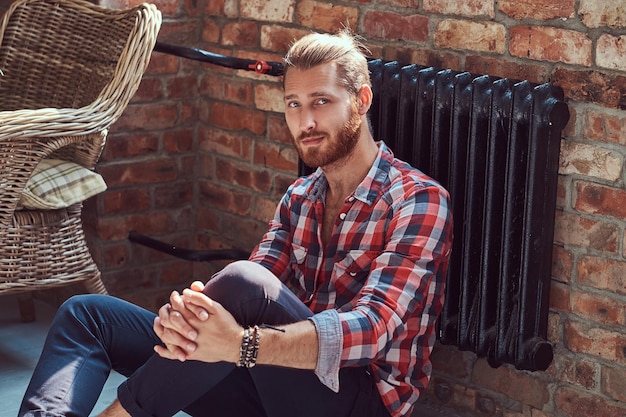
x=261, y=67
x=188, y=254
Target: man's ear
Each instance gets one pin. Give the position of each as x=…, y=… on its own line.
x=364, y=97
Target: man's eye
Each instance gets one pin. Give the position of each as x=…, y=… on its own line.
x=322, y=101
x=293, y=104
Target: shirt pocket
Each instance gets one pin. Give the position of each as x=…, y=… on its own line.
x=350, y=274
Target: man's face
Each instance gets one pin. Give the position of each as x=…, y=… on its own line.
x=322, y=116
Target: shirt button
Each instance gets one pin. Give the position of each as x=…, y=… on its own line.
x=342, y=216
x=351, y=198
x=353, y=274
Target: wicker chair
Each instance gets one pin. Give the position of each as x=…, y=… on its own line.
x=69, y=69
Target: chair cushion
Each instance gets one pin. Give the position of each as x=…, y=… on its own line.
x=57, y=184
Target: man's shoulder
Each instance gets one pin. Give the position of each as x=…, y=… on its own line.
x=403, y=174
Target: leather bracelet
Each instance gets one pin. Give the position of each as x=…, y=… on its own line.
x=249, y=349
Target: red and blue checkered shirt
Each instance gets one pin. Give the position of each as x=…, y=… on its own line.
x=378, y=286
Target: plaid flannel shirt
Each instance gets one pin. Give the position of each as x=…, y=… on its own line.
x=377, y=288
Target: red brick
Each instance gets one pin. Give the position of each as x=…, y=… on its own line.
x=590, y=160
x=269, y=155
x=601, y=309
x=610, y=51
x=225, y=87
x=246, y=231
x=514, y=384
x=598, y=199
x=243, y=175
x=562, y=264
x=560, y=296
x=191, y=8
x=577, y=403
x=114, y=256
x=122, y=282
x=181, y=32
x=602, y=343
x=264, y=209
x=207, y=219
x=182, y=87
x=178, y=141
x=117, y=227
x=241, y=34
x=188, y=114
x=129, y=144
x=233, y=117
x=537, y=9
x=224, y=143
x=210, y=30
x=465, y=8
x=281, y=183
x=174, y=196
x=214, y=7
x=606, y=126
x=451, y=361
x=221, y=198
x=148, y=116
x=149, y=90
x=156, y=222
x=161, y=63
x=187, y=169
x=597, y=13
x=614, y=382
x=125, y=201
x=454, y=395
x=394, y=26
x=278, y=130
x=268, y=10
x=551, y=44
x=459, y=34
x=144, y=172
x=498, y=67
x=581, y=372
x=555, y=329
x=421, y=56
x=602, y=273
x=571, y=229
x=592, y=87
x=278, y=38
x=179, y=275
x=269, y=97
x=327, y=17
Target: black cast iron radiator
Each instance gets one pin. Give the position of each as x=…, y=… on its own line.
x=494, y=144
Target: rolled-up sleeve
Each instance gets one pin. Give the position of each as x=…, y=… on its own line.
x=330, y=340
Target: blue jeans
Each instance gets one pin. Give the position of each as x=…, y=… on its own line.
x=92, y=334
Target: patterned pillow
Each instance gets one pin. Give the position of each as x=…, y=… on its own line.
x=58, y=184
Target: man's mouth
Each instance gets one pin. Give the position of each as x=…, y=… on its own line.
x=311, y=140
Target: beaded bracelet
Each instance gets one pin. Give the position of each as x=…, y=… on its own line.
x=249, y=349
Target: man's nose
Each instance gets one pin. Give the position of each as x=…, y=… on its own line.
x=307, y=121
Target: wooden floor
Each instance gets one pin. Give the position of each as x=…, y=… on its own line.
x=20, y=346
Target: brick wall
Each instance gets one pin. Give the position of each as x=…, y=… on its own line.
x=202, y=155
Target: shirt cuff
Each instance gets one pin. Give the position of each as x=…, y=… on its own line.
x=330, y=340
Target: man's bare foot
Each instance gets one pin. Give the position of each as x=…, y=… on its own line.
x=114, y=410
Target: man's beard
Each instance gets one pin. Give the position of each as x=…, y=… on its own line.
x=345, y=141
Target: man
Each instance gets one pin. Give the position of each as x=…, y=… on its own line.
x=364, y=245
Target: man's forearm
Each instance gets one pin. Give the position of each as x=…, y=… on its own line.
x=296, y=347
